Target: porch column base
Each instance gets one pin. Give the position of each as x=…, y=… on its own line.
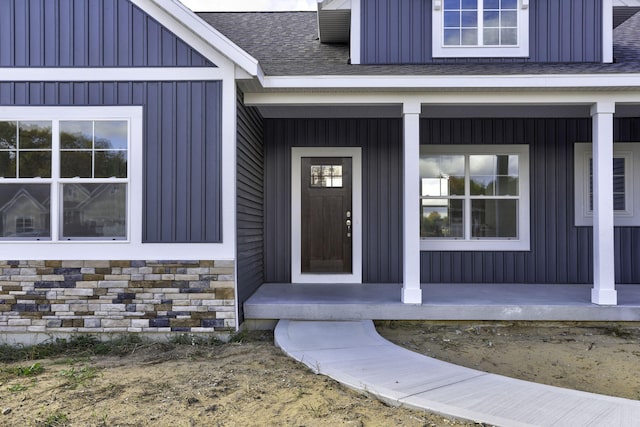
x=411, y=296
x=604, y=296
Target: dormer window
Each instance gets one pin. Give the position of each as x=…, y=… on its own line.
x=480, y=28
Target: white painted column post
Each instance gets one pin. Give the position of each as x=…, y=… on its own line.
x=604, y=288
x=411, y=292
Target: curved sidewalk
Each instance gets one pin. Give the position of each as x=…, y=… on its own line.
x=354, y=354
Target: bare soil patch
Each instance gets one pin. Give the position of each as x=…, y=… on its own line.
x=597, y=358
x=252, y=383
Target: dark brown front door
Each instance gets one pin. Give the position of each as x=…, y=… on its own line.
x=326, y=215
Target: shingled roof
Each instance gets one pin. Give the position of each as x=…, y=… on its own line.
x=286, y=44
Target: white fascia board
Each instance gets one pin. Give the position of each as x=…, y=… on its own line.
x=521, y=97
x=112, y=74
x=198, y=34
x=551, y=81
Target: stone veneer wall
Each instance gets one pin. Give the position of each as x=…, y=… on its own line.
x=116, y=296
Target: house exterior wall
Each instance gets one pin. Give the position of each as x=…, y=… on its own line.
x=182, y=161
x=560, y=252
x=84, y=33
x=400, y=32
x=127, y=286
x=381, y=142
x=250, y=202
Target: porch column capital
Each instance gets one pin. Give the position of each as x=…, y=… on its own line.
x=411, y=107
x=607, y=107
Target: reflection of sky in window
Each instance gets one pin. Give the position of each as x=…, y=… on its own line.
x=488, y=165
x=438, y=166
x=435, y=186
x=113, y=131
x=110, y=134
x=84, y=128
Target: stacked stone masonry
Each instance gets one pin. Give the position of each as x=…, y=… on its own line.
x=117, y=296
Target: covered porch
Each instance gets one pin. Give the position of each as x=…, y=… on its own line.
x=440, y=302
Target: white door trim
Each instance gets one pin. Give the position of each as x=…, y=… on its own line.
x=297, y=153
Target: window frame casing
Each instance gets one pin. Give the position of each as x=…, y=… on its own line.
x=522, y=243
x=630, y=152
x=440, y=50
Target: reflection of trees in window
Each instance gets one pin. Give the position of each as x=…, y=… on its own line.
x=25, y=149
x=93, y=149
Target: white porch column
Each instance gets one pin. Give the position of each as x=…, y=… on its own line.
x=604, y=289
x=411, y=292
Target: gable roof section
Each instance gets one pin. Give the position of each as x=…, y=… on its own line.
x=286, y=44
x=112, y=33
x=205, y=39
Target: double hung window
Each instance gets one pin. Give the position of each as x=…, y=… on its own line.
x=65, y=178
x=480, y=28
x=626, y=207
x=474, y=197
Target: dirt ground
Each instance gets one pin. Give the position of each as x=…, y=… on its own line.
x=252, y=383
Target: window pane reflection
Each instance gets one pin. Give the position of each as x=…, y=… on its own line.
x=327, y=176
x=94, y=210
x=442, y=218
x=619, y=197
x=494, y=175
x=494, y=218
x=24, y=211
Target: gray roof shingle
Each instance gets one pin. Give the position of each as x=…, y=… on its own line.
x=286, y=44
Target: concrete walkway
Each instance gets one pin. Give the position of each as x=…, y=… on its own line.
x=354, y=354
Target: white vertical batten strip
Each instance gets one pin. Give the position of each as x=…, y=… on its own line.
x=355, y=33
x=604, y=288
x=411, y=292
x=607, y=31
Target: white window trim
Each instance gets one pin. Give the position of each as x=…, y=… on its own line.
x=439, y=50
x=522, y=243
x=297, y=153
x=77, y=248
x=631, y=154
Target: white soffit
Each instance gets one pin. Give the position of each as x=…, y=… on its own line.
x=334, y=21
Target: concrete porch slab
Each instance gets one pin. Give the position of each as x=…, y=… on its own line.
x=509, y=302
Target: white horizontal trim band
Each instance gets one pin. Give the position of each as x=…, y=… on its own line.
x=111, y=74
x=371, y=98
x=456, y=82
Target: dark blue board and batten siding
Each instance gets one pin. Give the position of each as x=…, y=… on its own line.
x=88, y=33
x=399, y=32
x=381, y=142
x=182, y=148
x=182, y=120
x=249, y=202
x=560, y=252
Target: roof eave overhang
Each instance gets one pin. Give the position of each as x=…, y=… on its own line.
x=608, y=81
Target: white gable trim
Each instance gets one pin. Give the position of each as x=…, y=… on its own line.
x=112, y=74
x=198, y=34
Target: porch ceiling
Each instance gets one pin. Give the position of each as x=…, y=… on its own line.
x=491, y=302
